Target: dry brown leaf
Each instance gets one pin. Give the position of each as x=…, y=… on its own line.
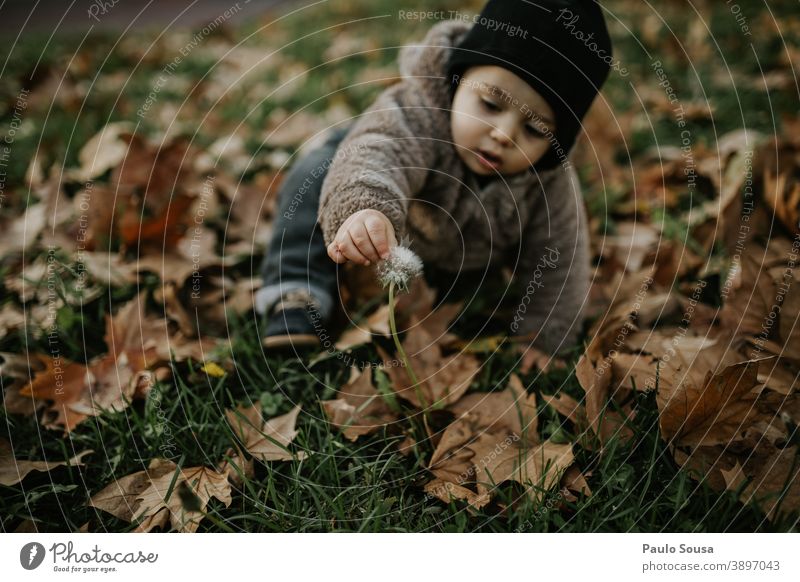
x=783, y=196
x=107, y=268
x=567, y=406
x=175, y=309
x=595, y=382
x=751, y=296
x=199, y=483
x=490, y=433
x=768, y=472
x=19, y=234
x=575, y=480
x=104, y=151
x=359, y=408
x=632, y=243
x=698, y=406
x=11, y=318
x=448, y=491
x=376, y=323
x=511, y=411
x=600, y=420
x=136, y=342
x=12, y=470
x=442, y=379
x=120, y=497
x=236, y=465
x=79, y=391
x=539, y=467
x=534, y=357
x=250, y=207
x=265, y=440
x=776, y=486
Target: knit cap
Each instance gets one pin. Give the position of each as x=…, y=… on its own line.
x=561, y=48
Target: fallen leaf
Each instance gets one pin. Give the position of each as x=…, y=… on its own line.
x=236, y=466
x=265, y=440
x=155, y=508
x=776, y=486
x=442, y=379
x=783, y=196
x=104, y=151
x=749, y=296
x=12, y=470
x=359, y=409
x=120, y=497
x=213, y=370
x=539, y=467
x=478, y=450
x=375, y=323
x=699, y=406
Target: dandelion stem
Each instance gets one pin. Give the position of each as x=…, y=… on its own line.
x=412, y=376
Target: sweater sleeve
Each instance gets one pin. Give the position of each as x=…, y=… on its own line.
x=383, y=161
x=554, y=274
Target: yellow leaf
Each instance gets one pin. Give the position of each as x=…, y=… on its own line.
x=213, y=370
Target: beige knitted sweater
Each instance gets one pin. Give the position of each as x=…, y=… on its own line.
x=398, y=158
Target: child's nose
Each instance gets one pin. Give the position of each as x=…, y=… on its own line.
x=502, y=135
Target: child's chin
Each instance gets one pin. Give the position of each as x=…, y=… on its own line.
x=482, y=170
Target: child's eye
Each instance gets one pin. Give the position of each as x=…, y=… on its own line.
x=489, y=105
x=531, y=130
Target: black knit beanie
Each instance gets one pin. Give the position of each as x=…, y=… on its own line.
x=561, y=48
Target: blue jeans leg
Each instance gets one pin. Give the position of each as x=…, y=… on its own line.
x=297, y=257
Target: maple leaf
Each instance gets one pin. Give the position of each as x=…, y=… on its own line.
x=377, y=322
x=265, y=440
x=442, y=379
x=783, y=196
x=236, y=466
x=511, y=411
x=13, y=470
x=136, y=342
x=163, y=495
x=185, y=507
x=120, y=497
x=699, y=406
x=78, y=392
x=539, y=467
x=494, y=439
x=751, y=296
x=359, y=409
x=763, y=474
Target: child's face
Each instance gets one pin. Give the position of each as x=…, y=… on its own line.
x=499, y=122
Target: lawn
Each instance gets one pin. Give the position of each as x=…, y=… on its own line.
x=81, y=240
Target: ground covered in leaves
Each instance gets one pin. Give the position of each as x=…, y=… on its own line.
x=139, y=175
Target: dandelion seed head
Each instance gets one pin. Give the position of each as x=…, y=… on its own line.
x=399, y=268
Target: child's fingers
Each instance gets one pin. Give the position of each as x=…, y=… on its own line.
x=335, y=255
x=363, y=240
x=349, y=249
x=376, y=229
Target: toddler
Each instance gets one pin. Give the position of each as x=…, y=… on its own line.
x=467, y=158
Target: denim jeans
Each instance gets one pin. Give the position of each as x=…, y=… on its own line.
x=297, y=257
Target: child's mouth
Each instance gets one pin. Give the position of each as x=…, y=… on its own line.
x=489, y=160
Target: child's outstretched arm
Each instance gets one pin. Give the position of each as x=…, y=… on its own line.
x=554, y=270
x=381, y=164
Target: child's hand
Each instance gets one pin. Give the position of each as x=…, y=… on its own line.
x=366, y=236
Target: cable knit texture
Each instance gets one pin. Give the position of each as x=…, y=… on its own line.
x=399, y=158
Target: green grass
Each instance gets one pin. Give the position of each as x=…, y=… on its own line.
x=367, y=485
x=362, y=486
